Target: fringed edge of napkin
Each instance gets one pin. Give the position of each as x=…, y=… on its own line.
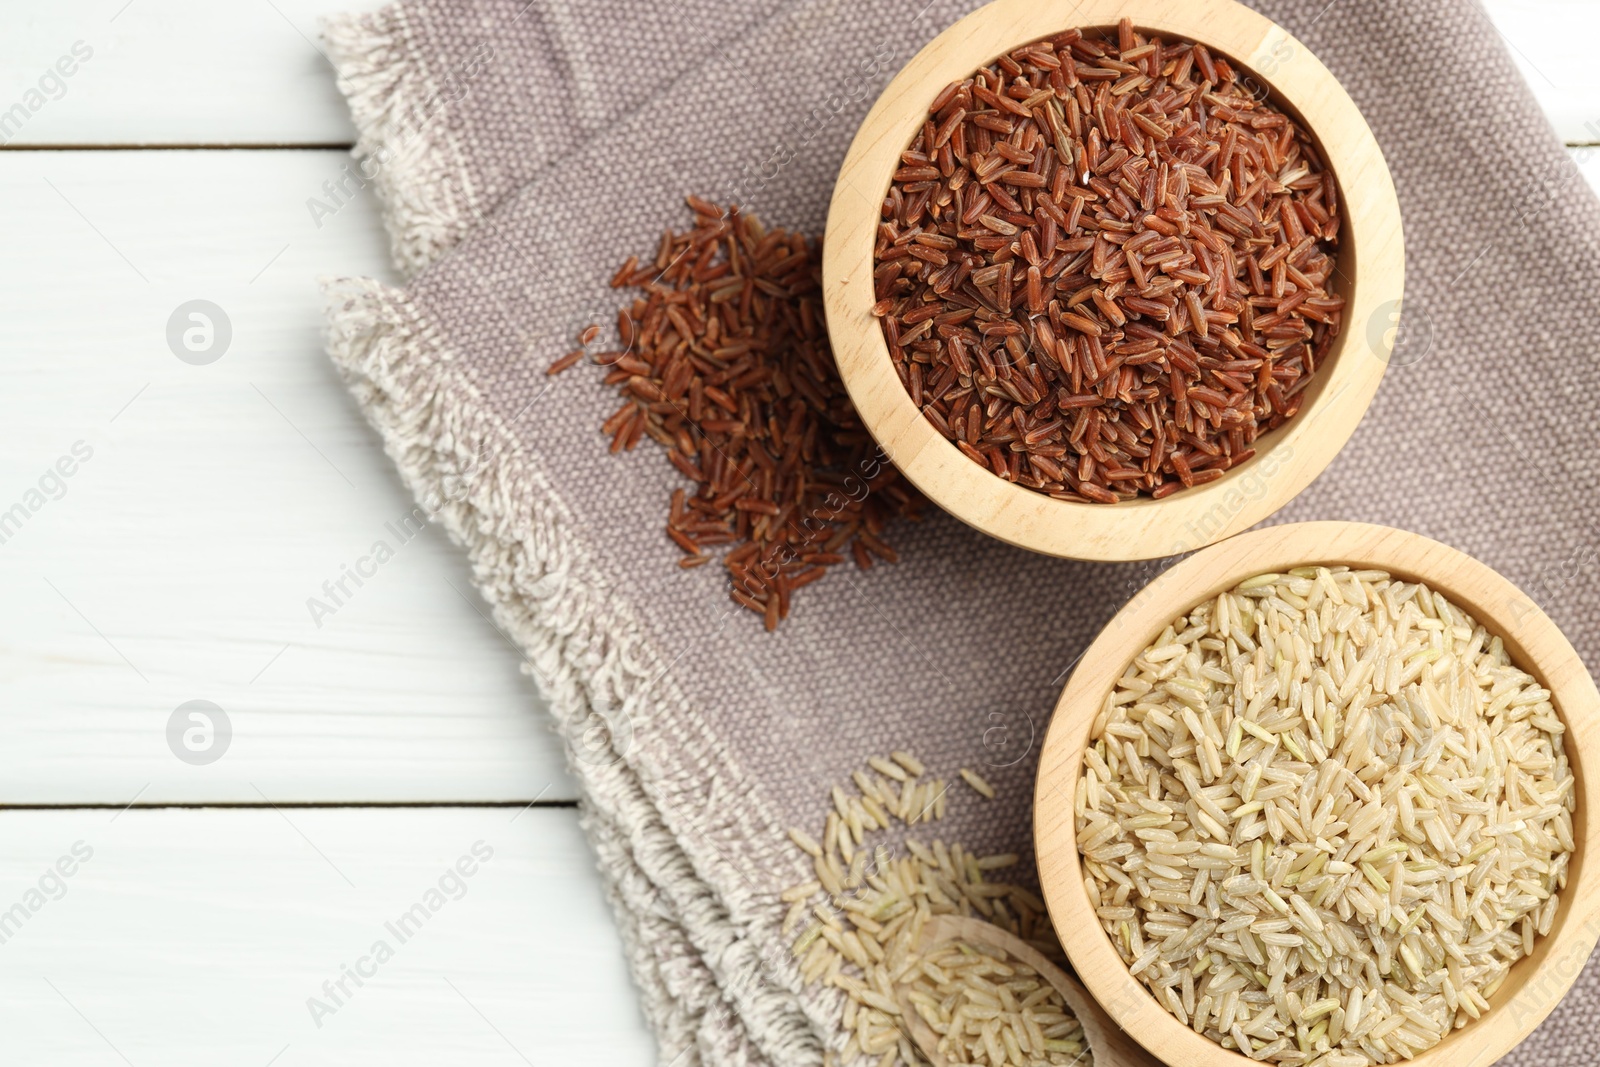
x=705, y=982
x=404, y=145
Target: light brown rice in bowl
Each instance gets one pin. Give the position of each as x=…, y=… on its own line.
x=1323, y=814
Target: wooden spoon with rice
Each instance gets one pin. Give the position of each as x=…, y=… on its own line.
x=1110, y=1046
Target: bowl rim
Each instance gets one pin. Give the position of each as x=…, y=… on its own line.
x=1536, y=983
x=1288, y=458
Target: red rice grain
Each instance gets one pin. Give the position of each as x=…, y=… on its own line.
x=725, y=363
x=1103, y=268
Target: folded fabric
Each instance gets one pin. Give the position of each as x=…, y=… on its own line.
x=458, y=103
x=719, y=736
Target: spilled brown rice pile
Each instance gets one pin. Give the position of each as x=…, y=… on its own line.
x=1322, y=816
x=1104, y=266
x=725, y=363
x=861, y=920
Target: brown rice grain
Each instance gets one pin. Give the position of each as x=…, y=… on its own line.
x=1323, y=814
x=864, y=940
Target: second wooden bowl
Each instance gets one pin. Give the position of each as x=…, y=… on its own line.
x=1371, y=269
x=1535, y=983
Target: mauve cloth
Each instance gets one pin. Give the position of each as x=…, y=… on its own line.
x=458, y=103
x=697, y=737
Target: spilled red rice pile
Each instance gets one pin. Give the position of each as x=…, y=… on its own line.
x=725, y=363
x=1103, y=266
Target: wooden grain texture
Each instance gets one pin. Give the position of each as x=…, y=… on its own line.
x=1535, y=984
x=1371, y=277
x=179, y=559
x=197, y=937
x=201, y=72
x=176, y=72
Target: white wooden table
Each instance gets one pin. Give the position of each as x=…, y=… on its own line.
x=208, y=903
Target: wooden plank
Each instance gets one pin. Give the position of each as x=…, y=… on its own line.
x=215, y=501
x=198, y=937
x=176, y=72
x=198, y=72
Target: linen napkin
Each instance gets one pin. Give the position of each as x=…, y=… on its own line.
x=458, y=103
x=699, y=738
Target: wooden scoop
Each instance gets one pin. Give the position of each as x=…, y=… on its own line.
x=1109, y=1044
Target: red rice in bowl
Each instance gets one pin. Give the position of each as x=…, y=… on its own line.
x=1104, y=266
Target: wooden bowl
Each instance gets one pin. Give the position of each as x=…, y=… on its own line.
x=1371, y=269
x=1534, y=984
